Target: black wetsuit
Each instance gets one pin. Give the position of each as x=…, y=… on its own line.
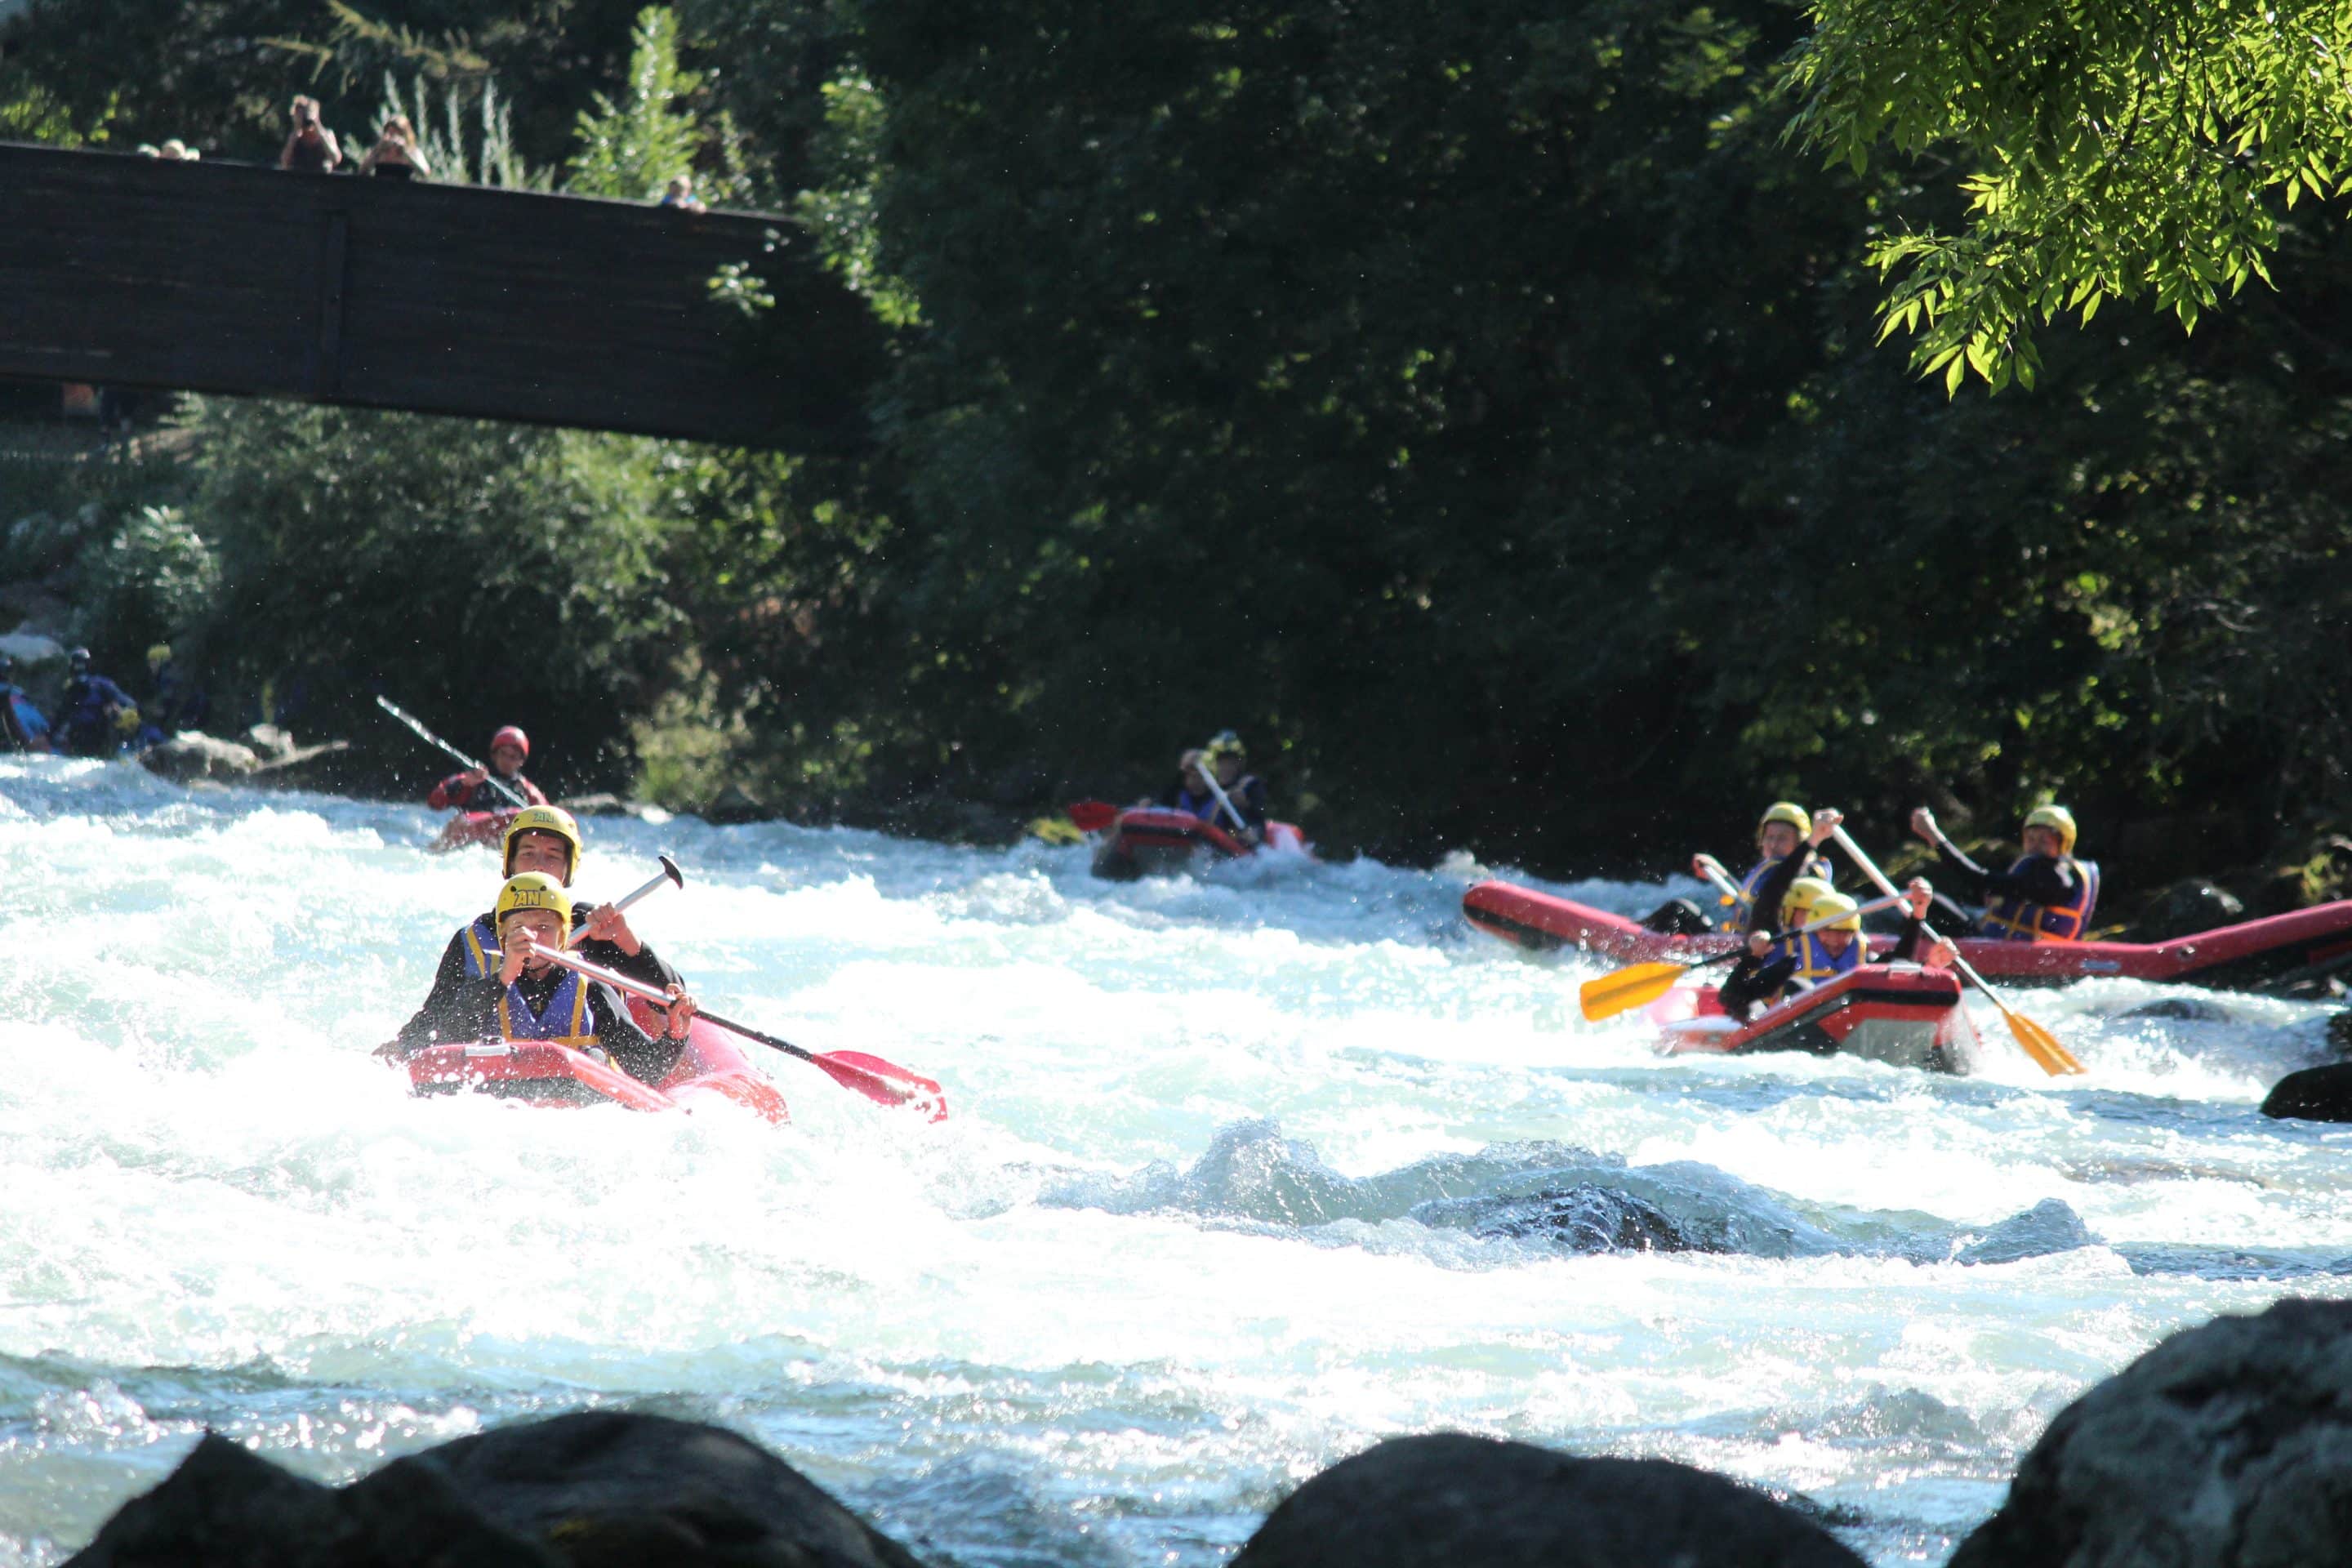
x=2045, y=880
x=642, y=1056
x=449, y=1014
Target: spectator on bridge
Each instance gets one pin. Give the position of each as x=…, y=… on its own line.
x=681, y=195
x=311, y=149
x=396, y=155
x=178, y=151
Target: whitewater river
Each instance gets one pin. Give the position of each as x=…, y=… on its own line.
x=1235, y=1183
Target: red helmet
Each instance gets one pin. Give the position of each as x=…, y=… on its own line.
x=510, y=736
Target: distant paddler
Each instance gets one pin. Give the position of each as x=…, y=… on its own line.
x=478, y=788
x=527, y=998
x=1781, y=834
x=2046, y=894
x=543, y=840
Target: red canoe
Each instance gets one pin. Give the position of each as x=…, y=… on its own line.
x=712, y=1068
x=470, y=827
x=1893, y=1013
x=1154, y=841
x=2241, y=956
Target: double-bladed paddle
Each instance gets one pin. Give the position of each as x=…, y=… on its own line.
x=877, y=1080
x=2032, y=1038
x=671, y=877
x=430, y=738
x=1638, y=984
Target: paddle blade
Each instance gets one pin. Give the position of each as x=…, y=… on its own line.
x=885, y=1083
x=1093, y=816
x=1635, y=985
x=2042, y=1045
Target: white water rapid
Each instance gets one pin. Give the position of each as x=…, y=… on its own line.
x=1242, y=1174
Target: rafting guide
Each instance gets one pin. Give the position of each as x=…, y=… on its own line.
x=2046, y=894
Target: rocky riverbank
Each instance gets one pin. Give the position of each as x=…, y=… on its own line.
x=2227, y=1446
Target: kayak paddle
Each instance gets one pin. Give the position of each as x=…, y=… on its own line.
x=670, y=876
x=1092, y=816
x=2032, y=1038
x=430, y=738
x=880, y=1081
x=1638, y=984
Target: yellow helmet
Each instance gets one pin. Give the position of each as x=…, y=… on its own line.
x=532, y=891
x=1841, y=912
x=1787, y=811
x=542, y=820
x=161, y=654
x=1804, y=894
x=2058, y=817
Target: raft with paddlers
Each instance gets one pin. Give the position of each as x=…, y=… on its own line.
x=1899, y=1013
x=1155, y=841
x=2248, y=954
x=712, y=1068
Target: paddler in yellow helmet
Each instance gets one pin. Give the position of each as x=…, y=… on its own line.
x=2046, y=894
x=1771, y=970
x=1780, y=833
x=545, y=839
x=529, y=999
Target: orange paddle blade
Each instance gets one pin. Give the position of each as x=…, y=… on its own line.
x=2042, y=1045
x=1635, y=985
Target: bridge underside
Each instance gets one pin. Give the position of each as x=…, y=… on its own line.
x=134, y=272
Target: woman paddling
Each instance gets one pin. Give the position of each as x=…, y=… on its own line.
x=2046, y=894
x=1784, y=826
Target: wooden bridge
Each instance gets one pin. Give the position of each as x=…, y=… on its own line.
x=133, y=272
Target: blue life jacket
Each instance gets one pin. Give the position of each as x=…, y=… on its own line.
x=1742, y=918
x=2014, y=920
x=565, y=1021
x=1206, y=807
x=91, y=704
x=29, y=717
x=481, y=946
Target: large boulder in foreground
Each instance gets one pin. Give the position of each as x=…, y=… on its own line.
x=2228, y=1445
x=599, y=1490
x=1450, y=1500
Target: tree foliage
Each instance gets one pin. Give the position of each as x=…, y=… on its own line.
x=2120, y=149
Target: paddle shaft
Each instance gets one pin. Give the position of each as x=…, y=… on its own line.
x=1723, y=884
x=660, y=998
x=430, y=738
x=669, y=874
x=1870, y=908
x=1209, y=776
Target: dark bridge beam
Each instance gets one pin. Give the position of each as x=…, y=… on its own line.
x=130, y=271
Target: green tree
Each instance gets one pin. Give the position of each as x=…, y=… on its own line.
x=631, y=149
x=2115, y=149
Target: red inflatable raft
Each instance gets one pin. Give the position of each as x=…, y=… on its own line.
x=1894, y=1013
x=1154, y=841
x=713, y=1068
x=472, y=827
x=2241, y=956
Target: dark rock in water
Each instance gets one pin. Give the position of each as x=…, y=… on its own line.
x=735, y=805
x=2185, y=908
x=2315, y=1094
x=1449, y=1501
x=2228, y=1445
x=2048, y=1226
x=1588, y=1218
x=589, y=1490
x=192, y=754
x=2180, y=1009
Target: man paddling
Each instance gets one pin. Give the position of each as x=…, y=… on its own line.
x=1782, y=830
x=1771, y=970
x=543, y=839
x=529, y=999
x=2046, y=894
x=96, y=714
x=473, y=791
x=1225, y=756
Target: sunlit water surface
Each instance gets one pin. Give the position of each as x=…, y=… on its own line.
x=1227, y=1193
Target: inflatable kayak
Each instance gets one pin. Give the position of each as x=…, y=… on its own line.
x=472, y=827
x=713, y=1068
x=2242, y=956
x=1898, y=1014
x=1155, y=841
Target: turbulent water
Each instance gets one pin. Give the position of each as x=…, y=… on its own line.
x=1242, y=1174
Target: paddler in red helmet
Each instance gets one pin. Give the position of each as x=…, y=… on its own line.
x=2046, y=894
x=1783, y=828
x=543, y=840
x=526, y=997
x=473, y=791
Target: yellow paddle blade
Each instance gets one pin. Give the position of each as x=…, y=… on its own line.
x=1635, y=985
x=2042, y=1045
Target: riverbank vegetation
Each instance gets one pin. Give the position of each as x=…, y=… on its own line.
x=1481, y=409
